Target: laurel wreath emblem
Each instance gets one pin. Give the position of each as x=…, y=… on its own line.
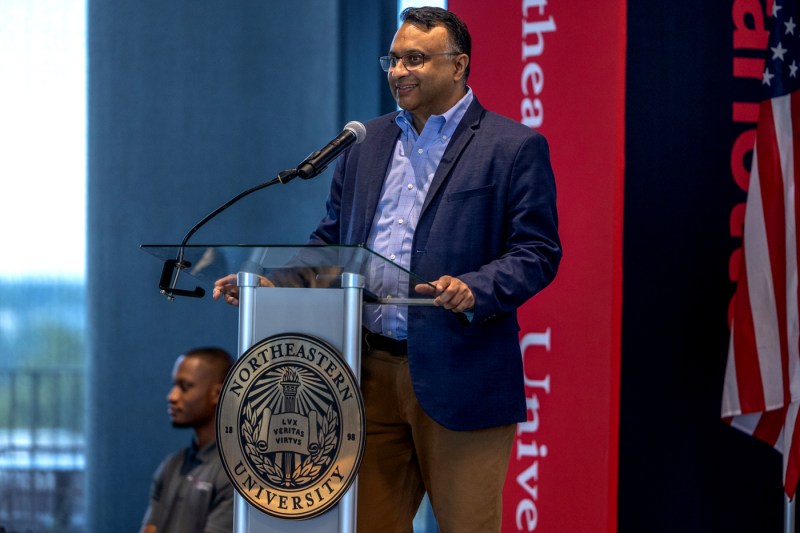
x=309, y=468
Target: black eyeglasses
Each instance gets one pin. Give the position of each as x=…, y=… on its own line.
x=413, y=61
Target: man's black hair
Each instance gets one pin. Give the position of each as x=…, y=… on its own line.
x=429, y=17
x=220, y=360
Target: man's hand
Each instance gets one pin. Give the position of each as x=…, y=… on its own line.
x=450, y=293
x=228, y=289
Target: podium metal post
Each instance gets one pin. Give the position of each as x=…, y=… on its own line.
x=247, y=292
x=353, y=285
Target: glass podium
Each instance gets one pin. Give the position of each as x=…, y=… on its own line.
x=317, y=293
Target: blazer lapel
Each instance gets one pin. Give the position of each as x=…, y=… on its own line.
x=461, y=137
x=376, y=157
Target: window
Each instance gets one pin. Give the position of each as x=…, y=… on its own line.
x=42, y=287
x=402, y=4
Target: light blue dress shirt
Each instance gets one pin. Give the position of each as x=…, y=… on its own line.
x=414, y=162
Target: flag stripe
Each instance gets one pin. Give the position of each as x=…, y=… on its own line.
x=748, y=372
x=784, y=262
x=730, y=392
x=747, y=423
x=794, y=289
x=771, y=181
x=770, y=426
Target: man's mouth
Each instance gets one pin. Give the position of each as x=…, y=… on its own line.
x=403, y=88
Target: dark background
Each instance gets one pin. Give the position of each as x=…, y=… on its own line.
x=681, y=468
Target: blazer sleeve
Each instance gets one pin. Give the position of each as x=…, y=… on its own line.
x=531, y=251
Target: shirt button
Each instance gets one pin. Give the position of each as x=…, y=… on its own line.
x=420, y=151
x=410, y=186
x=392, y=257
x=400, y=221
x=444, y=137
x=389, y=333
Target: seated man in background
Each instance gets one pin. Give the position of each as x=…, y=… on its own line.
x=190, y=490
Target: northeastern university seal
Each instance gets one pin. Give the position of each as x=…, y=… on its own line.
x=290, y=426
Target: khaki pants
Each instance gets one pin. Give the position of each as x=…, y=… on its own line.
x=408, y=453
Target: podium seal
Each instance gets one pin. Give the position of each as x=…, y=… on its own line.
x=290, y=426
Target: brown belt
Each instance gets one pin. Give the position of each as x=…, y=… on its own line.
x=385, y=344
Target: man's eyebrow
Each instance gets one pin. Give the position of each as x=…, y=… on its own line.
x=405, y=52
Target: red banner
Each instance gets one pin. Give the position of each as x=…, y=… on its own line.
x=559, y=67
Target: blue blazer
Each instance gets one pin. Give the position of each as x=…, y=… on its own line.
x=489, y=219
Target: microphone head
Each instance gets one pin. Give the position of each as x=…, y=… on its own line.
x=358, y=130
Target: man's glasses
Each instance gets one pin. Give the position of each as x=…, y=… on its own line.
x=410, y=61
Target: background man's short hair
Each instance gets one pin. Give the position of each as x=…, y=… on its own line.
x=220, y=360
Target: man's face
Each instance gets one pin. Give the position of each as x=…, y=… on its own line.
x=194, y=393
x=438, y=85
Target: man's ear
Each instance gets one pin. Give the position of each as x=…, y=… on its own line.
x=215, y=392
x=461, y=64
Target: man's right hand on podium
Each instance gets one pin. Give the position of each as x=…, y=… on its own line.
x=228, y=288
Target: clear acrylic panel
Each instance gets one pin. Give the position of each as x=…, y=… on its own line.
x=307, y=266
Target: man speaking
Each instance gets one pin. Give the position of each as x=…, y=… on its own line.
x=465, y=198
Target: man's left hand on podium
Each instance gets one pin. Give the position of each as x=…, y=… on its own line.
x=227, y=288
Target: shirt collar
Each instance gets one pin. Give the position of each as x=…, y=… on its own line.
x=446, y=123
x=208, y=451
x=194, y=456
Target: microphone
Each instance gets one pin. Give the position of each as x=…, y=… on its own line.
x=353, y=133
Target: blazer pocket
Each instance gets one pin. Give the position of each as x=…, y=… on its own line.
x=469, y=193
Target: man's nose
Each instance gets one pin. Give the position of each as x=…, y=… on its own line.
x=393, y=72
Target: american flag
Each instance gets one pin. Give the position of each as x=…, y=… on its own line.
x=761, y=395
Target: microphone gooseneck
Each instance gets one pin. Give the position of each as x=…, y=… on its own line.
x=353, y=133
